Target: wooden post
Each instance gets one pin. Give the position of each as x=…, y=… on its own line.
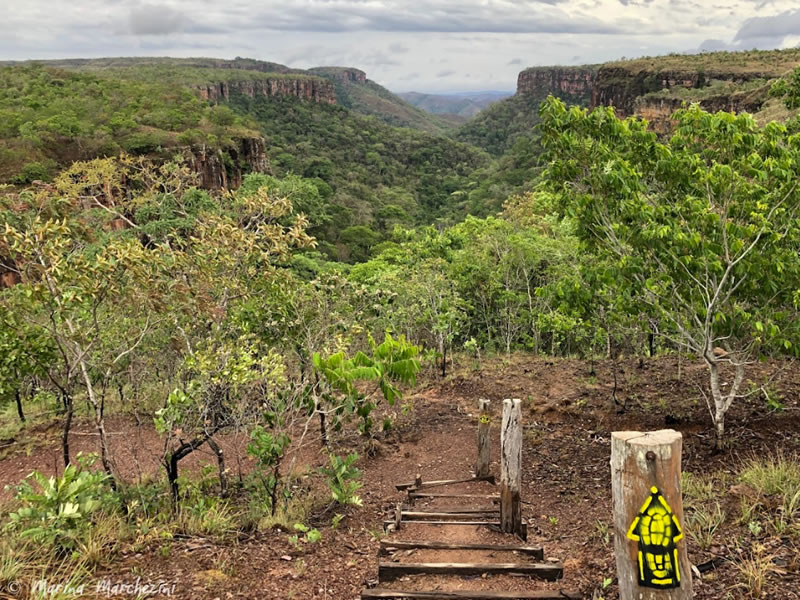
x=511, y=467
x=484, y=440
x=649, y=543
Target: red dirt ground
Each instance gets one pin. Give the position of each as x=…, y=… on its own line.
x=568, y=416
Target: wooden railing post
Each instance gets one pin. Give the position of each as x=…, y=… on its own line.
x=511, y=467
x=649, y=543
x=484, y=440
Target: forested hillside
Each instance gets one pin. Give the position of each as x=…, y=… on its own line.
x=236, y=314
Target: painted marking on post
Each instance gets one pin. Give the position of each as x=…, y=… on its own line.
x=657, y=531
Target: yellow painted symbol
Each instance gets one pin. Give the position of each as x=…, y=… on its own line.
x=485, y=419
x=657, y=531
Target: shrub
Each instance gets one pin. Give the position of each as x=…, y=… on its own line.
x=60, y=511
x=343, y=479
x=31, y=172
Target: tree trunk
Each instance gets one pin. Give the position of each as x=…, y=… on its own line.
x=68, y=407
x=323, y=428
x=223, y=477
x=172, y=459
x=444, y=359
x=18, y=398
x=99, y=422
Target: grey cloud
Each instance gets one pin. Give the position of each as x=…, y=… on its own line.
x=153, y=19
x=444, y=74
x=514, y=61
x=774, y=28
x=436, y=16
x=398, y=48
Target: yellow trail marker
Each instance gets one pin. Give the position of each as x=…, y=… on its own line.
x=657, y=531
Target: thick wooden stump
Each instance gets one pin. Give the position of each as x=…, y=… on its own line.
x=511, y=467
x=484, y=440
x=649, y=546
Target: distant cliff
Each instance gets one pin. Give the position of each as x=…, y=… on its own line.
x=215, y=170
x=314, y=89
x=623, y=88
x=343, y=74
x=572, y=84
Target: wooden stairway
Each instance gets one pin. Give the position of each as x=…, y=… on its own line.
x=440, y=580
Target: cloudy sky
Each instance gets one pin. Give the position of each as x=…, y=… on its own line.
x=422, y=45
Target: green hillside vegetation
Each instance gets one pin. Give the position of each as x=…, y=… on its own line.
x=373, y=174
x=102, y=64
x=50, y=117
x=497, y=128
x=758, y=63
x=371, y=99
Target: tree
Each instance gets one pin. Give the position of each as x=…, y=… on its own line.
x=700, y=230
x=88, y=295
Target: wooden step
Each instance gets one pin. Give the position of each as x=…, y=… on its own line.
x=446, y=516
x=388, y=545
x=474, y=523
x=494, y=525
x=388, y=571
x=492, y=497
x=378, y=593
x=464, y=510
x=419, y=484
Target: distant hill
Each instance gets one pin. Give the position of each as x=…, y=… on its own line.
x=350, y=86
x=466, y=105
x=356, y=92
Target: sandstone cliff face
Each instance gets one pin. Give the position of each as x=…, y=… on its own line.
x=658, y=111
x=313, y=89
x=343, y=74
x=573, y=84
x=620, y=87
x=217, y=171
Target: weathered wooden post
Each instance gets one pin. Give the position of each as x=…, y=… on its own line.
x=484, y=440
x=649, y=543
x=511, y=467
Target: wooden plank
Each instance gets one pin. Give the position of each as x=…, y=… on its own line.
x=423, y=522
x=442, y=516
x=493, y=497
x=388, y=571
x=452, y=509
x=535, y=551
x=401, y=487
x=377, y=594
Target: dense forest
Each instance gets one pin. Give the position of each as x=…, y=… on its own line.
x=302, y=307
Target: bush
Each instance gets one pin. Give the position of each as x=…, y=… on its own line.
x=31, y=172
x=343, y=479
x=59, y=512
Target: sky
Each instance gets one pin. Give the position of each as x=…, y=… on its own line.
x=419, y=45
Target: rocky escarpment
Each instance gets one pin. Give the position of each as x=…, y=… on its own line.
x=341, y=74
x=572, y=84
x=658, y=109
x=623, y=88
x=225, y=169
x=314, y=89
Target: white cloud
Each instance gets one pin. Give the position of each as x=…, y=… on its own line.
x=401, y=44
